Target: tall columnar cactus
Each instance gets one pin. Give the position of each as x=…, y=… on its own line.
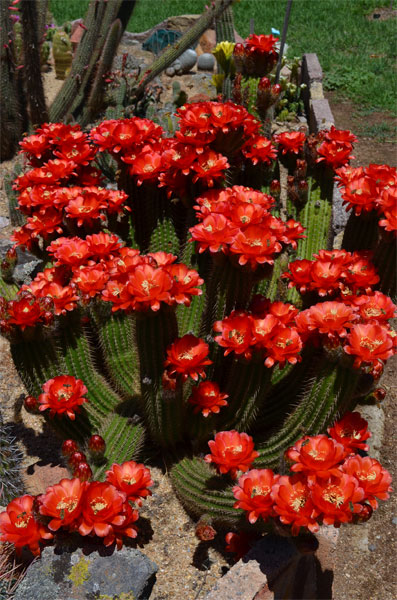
x=189, y=303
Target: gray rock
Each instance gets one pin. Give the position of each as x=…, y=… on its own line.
x=339, y=214
x=206, y=62
x=4, y=221
x=94, y=572
x=170, y=71
x=187, y=60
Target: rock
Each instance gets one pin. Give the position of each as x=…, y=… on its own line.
x=187, y=61
x=170, y=71
x=92, y=572
x=206, y=62
x=4, y=222
x=182, y=22
x=207, y=42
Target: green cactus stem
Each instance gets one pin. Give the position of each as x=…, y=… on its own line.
x=116, y=334
x=194, y=482
x=329, y=394
x=11, y=116
x=385, y=260
x=96, y=97
x=32, y=64
x=164, y=409
x=361, y=232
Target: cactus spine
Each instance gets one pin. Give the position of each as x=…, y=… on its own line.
x=10, y=465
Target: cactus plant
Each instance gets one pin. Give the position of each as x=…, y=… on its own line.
x=172, y=351
x=10, y=465
x=62, y=53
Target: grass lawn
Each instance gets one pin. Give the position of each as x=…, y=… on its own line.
x=357, y=53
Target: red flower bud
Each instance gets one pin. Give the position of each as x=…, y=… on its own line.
x=364, y=515
x=276, y=90
x=31, y=404
x=264, y=84
x=76, y=458
x=69, y=447
x=204, y=531
x=379, y=394
x=83, y=471
x=239, y=50
x=97, y=445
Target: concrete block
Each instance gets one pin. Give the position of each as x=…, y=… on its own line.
x=320, y=116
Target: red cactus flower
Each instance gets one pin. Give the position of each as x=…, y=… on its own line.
x=149, y=286
x=236, y=333
x=207, y=398
x=316, y=455
x=231, y=451
x=284, y=346
x=25, y=312
x=215, y=232
x=331, y=318
x=63, y=503
x=369, y=343
x=338, y=498
x=351, y=431
x=293, y=504
x=63, y=394
x=132, y=478
x=290, y=141
x=255, y=245
x=188, y=356
x=18, y=525
x=185, y=282
x=253, y=493
x=372, y=477
x=101, y=509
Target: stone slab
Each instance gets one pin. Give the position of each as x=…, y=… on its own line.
x=320, y=116
x=260, y=566
x=92, y=572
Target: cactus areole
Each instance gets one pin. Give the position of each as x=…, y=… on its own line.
x=183, y=308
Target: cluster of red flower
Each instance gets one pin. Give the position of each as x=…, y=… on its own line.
x=62, y=188
x=357, y=318
x=237, y=222
x=331, y=147
x=92, y=508
x=257, y=56
x=269, y=328
x=373, y=188
x=329, y=484
x=87, y=268
x=334, y=272
x=208, y=131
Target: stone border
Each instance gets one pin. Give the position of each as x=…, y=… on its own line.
x=320, y=116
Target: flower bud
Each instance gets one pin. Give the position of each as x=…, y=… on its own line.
x=76, y=458
x=379, y=394
x=69, y=447
x=97, y=445
x=83, y=471
x=31, y=404
x=204, y=531
x=264, y=84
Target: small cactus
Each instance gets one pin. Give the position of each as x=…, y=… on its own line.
x=62, y=53
x=10, y=465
